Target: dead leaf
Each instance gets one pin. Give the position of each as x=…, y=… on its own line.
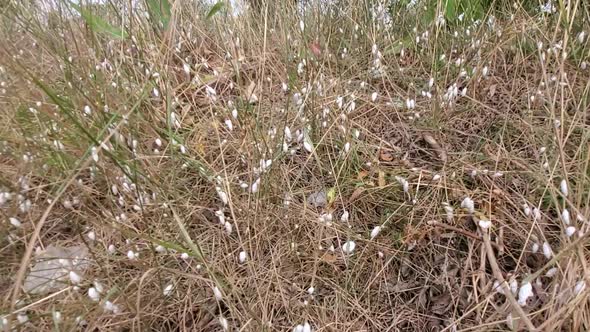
x=514, y=322
x=328, y=257
x=434, y=324
x=252, y=98
x=315, y=48
x=492, y=90
x=198, y=145
x=385, y=155
x=442, y=154
x=250, y=88
x=356, y=194
x=381, y=180
x=402, y=286
x=423, y=297
x=362, y=174
x=440, y=304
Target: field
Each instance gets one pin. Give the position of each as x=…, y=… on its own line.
x=351, y=165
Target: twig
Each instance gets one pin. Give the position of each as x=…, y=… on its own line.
x=498, y=275
x=458, y=230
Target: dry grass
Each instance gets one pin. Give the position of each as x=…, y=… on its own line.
x=518, y=130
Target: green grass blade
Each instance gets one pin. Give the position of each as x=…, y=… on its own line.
x=161, y=10
x=215, y=9
x=99, y=25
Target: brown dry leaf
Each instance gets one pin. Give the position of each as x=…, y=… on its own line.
x=199, y=146
x=492, y=90
x=385, y=155
x=434, y=324
x=328, y=257
x=442, y=154
x=499, y=192
x=250, y=93
x=423, y=297
x=381, y=180
x=402, y=286
x=362, y=174
x=515, y=321
x=315, y=48
x=440, y=304
x=356, y=194
x=250, y=88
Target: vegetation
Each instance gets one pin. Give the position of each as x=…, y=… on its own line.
x=355, y=165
